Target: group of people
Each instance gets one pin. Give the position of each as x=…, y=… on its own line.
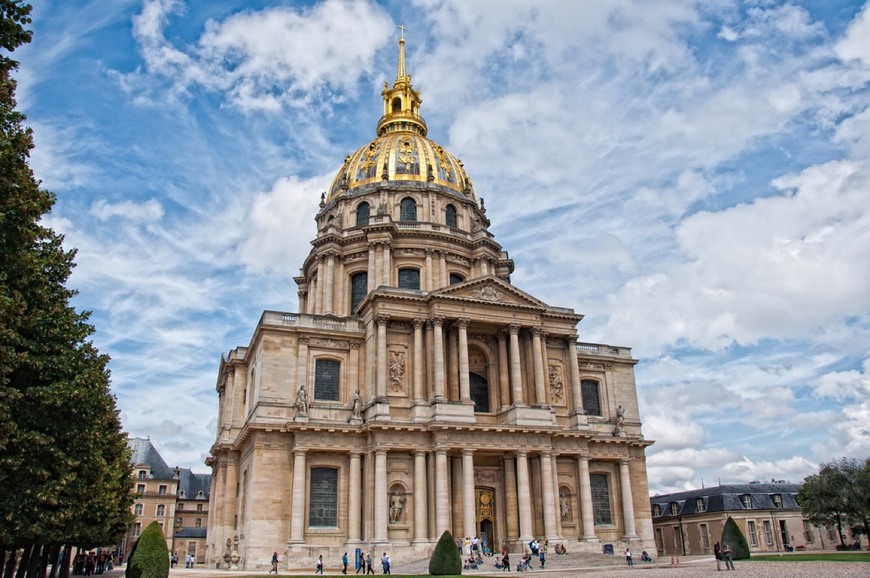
x=472, y=547
x=189, y=560
x=90, y=563
x=723, y=554
x=363, y=564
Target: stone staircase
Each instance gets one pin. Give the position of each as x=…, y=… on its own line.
x=570, y=561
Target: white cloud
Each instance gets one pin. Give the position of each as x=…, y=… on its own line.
x=147, y=212
x=854, y=45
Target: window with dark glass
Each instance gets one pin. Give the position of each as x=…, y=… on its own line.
x=161, y=489
x=657, y=510
x=137, y=509
x=408, y=209
x=359, y=287
x=323, y=501
x=140, y=488
x=362, y=214
x=409, y=279
x=326, y=379
x=600, y=499
x=455, y=279
x=675, y=508
x=450, y=216
x=591, y=399
x=142, y=474
x=700, y=505
x=479, y=392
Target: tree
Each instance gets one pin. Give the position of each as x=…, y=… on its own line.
x=732, y=536
x=64, y=463
x=445, y=560
x=150, y=559
x=838, y=495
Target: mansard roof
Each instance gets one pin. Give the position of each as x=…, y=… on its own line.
x=726, y=498
x=145, y=454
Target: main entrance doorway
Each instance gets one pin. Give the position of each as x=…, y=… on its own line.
x=486, y=518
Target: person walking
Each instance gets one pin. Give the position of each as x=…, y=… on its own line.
x=369, y=568
x=344, y=563
x=385, y=562
x=274, y=563
x=717, y=553
x=319, y=569
x=628, y=559
x=726, y=556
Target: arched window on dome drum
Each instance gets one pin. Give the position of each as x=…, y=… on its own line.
x=359, y=287
x=408, y=209
x=591, y=397
x=397, y=104
x=456, y=278
x=450, y=216
x=479, y=392
x=362, y=214
x=409, y=279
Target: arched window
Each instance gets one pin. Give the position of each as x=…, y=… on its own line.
x=591, y=397
x=600, y=499
x=409, y=279
x=362, y=214
x=479, y=392
x=359, y=287
x=326, y=374
x=450, y=216
x=456, y=278
x=397, y=104
x=408, y=209
x=323, y=498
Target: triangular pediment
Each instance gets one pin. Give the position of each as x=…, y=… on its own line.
x=488, y=290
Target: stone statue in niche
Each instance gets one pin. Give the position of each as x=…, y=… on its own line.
x=397, y=505
x=557, y=390
x=302, y=402
x=620, y=420
x=564, y=506
x=397, y=371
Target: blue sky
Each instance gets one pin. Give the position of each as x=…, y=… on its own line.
x=693, y=177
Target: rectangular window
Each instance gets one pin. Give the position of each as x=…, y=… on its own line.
x=705, y=536
x=161, y=489
x=409, y=279
x=143, y=474
x=832, y=534
x=323, y=501
x=753, y=533
x=777, y=500
x=137, y=509
x=591, y=397
x=768, y=532
x=746, y=500
x=180, y=506
x=700, y=505
x=326, y=379
x=140, y=488
x=359, y=287
x=600, y=499
x=657, y=510
x=199, y=507
x=137, y=529
x=198, y=523
x=161, y=510
x=808, y=532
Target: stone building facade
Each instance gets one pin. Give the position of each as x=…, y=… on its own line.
x=417, y=390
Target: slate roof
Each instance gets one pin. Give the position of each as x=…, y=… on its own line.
x=144, y=452
x=727, y=498
x=191, y=484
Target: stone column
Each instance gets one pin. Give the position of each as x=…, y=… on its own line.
x=627, y=501
x=469, y=518
x=329, y=292
x=516, y=370
x=302, y=364
x=418, y=359
x=303, y=301
x=576, y=393
x=428, y=274
x=555, y=461
x=457, y=496
x=379, y=265
x=525, y=496
x=540, y=391
x=297, y=512
x=503, y=372
x=510, y=499
x=438, y=354
x=451, y=369
x=371, y=272
x=354, y=376
x=464, y=386
x=388, y=266
x=380, y=502
x=381, y=360
x=443, y=268
x=321, y=283
x=430, y=356
x=442, y=492
x=421, y=516
x=586, y=499
x=355, y=493
x=548, y=498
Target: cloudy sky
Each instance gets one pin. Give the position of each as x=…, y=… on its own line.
x=694, y=177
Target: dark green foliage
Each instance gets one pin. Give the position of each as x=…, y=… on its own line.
x=838, y=495
x=445, y=560
x=150, y=557
x=732, y=536
x=64, y=465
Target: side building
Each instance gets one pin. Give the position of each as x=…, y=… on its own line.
x=768, y=514
x=176, y=498
x=418, y=390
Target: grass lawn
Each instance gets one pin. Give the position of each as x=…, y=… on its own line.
x=816, y=557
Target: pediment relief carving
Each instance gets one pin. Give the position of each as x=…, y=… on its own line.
x=492, y=291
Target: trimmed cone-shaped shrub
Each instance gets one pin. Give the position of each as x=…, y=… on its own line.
x=732, y=535
x=445, y=560
x=150, y=559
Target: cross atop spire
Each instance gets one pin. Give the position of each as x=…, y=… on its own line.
x=401, y=72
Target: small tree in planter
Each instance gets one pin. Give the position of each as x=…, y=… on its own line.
x=150, y=556
x=732, y=535
x=445, y=560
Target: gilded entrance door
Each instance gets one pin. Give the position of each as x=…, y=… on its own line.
x=486, y=517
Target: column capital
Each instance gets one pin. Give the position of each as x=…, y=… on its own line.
x=536, y=331
x=382, y=319
x=467, y=451
x=514, y=328
x=303, y=340
x=571, y=339
x=419, y=452
x=418, y=323
x=462, y=323
x=436, y=320
x=429, y=252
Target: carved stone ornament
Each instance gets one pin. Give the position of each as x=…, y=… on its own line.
x=488, y=293
x=557, y=387
x=397, y=371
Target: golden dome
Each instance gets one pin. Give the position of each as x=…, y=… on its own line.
x=401, y=152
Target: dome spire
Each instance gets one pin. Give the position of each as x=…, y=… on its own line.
x=402, y=102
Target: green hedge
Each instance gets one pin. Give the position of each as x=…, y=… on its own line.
x=732, y=535
x=150, y=557
x=445, y=560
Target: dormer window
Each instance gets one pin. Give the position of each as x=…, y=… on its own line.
x=777, y=500
x=657, y=510
x=143, y=474
x=200, y=494
x=675, y=508
x=746, y=500
x=700, y=505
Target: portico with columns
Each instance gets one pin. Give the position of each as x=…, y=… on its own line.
x=418, y=390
